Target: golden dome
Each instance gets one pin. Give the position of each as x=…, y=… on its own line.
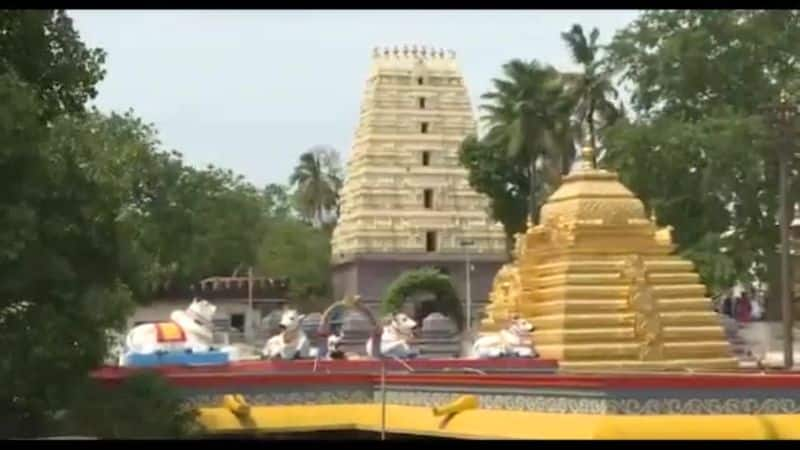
x=592, y=195
x=609, y=293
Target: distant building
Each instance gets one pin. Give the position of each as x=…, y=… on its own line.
x=406, y=202
x=231, y=296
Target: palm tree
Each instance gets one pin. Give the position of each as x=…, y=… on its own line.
x=528, y=115
x=593, y=88
x=317, y=179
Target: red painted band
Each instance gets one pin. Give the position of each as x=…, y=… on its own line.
x=271, y=373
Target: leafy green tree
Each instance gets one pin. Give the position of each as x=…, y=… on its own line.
x=44, y=50
x=277, y=200
x=502, y=179
x=300, y=252
x=226, y=220
x=94, y=218
x=687, y=62
x=316, y=180
x=61, y=255
x=714, y=192
x=116, y=412
x=698, y=81
x=93, y=215
x=593, y=87
x=528, y=116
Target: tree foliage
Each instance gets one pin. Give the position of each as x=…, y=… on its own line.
x=302, y=253
x=528, y=145
x=528, y=112
x=42, y=48
x=93, y=216
x=316, y=180
x=502, y=179
x=593, y=88
x=425, y=280
x=277, y=201
x=698, y=149
x=144, y=406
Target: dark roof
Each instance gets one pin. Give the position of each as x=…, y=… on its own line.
x=229, y=288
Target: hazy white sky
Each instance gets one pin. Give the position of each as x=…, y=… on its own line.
x=251, y=90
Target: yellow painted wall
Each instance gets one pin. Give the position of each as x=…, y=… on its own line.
x=499, y=424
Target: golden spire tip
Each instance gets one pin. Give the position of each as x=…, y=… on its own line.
x=587, y=155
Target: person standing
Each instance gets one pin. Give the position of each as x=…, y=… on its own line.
x=727, y=306
x=756, y=311
x=743, y=308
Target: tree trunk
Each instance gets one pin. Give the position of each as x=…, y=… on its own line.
x=532, y=188
x=509, y=245
x=773, y=300
x=590, y=123
x=772, y=308
x=786, y=276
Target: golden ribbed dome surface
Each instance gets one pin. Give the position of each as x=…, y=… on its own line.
x=592, y=195
x=602, y=286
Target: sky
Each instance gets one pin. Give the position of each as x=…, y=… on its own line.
x=250, y=90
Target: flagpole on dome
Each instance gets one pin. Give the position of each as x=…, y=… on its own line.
x=588, y=154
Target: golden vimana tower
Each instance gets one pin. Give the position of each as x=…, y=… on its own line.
x=601, y=284
x=405, y=192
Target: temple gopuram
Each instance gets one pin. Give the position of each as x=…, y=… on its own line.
x=406, y=202
x=603, y=287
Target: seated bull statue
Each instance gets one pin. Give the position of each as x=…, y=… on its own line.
x=291, y=342
x=187, y=331
x=397, y=337
x=513, y=341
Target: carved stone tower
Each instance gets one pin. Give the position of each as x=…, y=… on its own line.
x=406, y=202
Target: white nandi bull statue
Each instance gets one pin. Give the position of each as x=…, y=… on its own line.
x=190, y=329
x=397, y=337
x=292, y=342
x=514, y=341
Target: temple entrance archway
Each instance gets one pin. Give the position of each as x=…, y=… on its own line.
x=440, y=294
x=352, y=302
